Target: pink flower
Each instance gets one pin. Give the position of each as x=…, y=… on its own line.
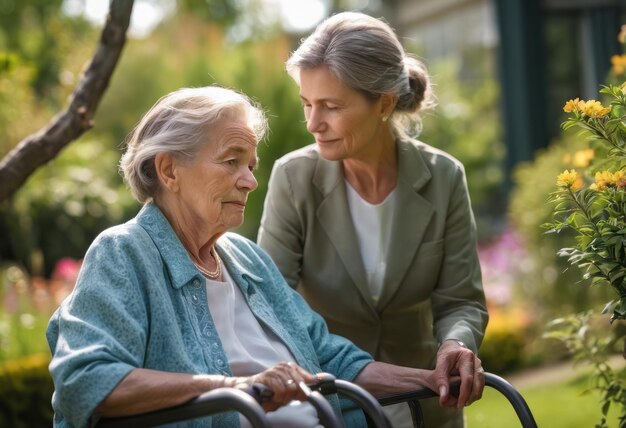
x=67, y=269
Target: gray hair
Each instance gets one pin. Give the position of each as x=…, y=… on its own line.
x=179, y=123
x=365, y=54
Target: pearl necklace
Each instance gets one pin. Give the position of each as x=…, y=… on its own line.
x=207, y=273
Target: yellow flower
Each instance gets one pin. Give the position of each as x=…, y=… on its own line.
x=603, y=179
x=619, y=63
x=582, y=158
x=569, y=179
x=619, y=179
x=571, y=105
x=595, y=109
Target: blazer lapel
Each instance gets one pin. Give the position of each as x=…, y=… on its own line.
x=333, y=214
x=412, y=216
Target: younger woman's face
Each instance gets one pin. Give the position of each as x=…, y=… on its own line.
x=344, y=123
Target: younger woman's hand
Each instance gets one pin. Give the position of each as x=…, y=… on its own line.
x=457, y=362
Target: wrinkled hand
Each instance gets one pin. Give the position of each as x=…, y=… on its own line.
x=455, y=362
x=283, y=380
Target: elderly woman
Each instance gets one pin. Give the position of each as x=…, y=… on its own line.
x=169, y=305
x=373, y=227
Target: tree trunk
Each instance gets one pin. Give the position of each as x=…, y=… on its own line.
x=41, y=147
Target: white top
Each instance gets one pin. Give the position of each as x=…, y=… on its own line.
x=251, y=347
x=372, y=223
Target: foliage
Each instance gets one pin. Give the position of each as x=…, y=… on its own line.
x=465, y=124
x=548, y=278
x=543, y=281
x=505, y=339
x=592, y=345
x=224, y=12
x=30, y=96
x=40, y=36
x=510, y=339
x=21, y=323
x=591, y=206
x=15, y=95
x=72, y=200
x=597, y=213
x=41, y=53
x=26, y=304
x=26, y=390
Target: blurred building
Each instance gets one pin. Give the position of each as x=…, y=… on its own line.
x=545, y=52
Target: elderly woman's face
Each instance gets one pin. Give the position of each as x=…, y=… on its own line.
x=214, y=187
x=345, y=124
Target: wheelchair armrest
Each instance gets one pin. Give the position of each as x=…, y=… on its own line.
x=365, y=400
x=325, y=412
x=491, y=380
x=515, y=398
x=210, y=403
x=417, y=394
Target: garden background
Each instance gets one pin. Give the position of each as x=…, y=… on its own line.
x=46, y=226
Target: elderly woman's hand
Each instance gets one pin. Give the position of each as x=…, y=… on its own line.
x=282, y=380
x=454, y=362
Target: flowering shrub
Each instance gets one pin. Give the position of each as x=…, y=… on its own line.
x=507, y=269
x=592, y=204
x=26, y=304
x=504, y=262
x=595, y=209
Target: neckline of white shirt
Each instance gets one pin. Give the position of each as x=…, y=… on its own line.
x=385, y=201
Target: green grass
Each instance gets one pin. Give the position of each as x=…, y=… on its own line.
x=556, y=405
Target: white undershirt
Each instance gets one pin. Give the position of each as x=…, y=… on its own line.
x=372, y=223
x=373, y=229
x=252, y=347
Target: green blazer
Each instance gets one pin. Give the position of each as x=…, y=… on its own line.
x=432, y=288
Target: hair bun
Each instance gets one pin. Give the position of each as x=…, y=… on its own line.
x=420, y=95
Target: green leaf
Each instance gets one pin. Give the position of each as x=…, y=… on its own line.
x=617, y=111
x=607, y=307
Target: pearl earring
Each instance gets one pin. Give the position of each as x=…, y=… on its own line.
x=385, y=118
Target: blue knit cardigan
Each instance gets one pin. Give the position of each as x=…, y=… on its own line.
x=140, y=302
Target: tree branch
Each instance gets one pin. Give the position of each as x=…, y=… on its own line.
x=43, y=146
